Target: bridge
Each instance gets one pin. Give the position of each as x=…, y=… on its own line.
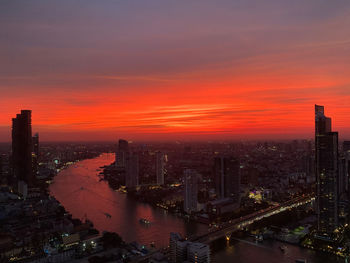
x=226, y=229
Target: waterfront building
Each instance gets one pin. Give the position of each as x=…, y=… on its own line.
x=160, y=168
x=190, y=190
x=121, y=154
x=182, y=250
x=22, y=150
x=227, y=178
x=132, y=170
x=198, y=253
x=326, y=150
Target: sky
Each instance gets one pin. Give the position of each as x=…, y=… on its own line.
x=159, y=69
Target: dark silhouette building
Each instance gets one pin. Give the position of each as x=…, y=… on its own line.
x=227, y=177
x=22, y=148
x=121, y=154
x=326, y=150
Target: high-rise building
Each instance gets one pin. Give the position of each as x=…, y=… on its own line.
x=326, y=150
x=121, y=153
x=160, y=168
x=190, y=191
x=198, y=253
x=22, y=149
x=132, y=170
x=227, y=177
x=35, y=154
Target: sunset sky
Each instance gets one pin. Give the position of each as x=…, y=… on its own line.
x=158, y=69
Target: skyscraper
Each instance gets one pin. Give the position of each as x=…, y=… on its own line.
x=160, y=168
x=227, y=177
x=132, y=170
x=190, y=190
x=35, y=154
x=22, y=148
x=121, y=154
x=326, y=150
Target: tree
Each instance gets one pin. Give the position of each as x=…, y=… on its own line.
x=111, y=240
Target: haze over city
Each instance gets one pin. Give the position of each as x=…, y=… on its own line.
x=155, y=69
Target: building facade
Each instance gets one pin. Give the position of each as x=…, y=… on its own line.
x=326, y=150
x=190, y=190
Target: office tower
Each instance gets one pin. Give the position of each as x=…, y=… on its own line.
x=326, y=150
x=227, y=177
x=190, y=190
x=160, y=168
x=22, y=149
x=198, y=253
x=132, y=170
x=35, y=154
x=121, y=154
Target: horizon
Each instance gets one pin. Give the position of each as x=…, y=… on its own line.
x=158, y=70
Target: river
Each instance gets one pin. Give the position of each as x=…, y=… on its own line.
x=80, y=191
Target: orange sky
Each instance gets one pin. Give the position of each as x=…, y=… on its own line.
x=164, y=70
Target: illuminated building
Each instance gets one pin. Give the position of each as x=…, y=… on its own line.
x=121, y=153
x=22, y=150
x=326, y=150
x=227, y=177
x=160, y=168
x=190, y=190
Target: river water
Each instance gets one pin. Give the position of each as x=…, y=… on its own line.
x=80, y=191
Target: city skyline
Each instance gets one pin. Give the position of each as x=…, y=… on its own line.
x=160, y=70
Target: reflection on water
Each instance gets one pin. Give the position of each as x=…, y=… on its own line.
x=79, y=190
x=82, y=194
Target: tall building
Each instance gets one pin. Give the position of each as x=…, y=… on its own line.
x=160, y=168
x=121, y=154
x=22, y=149
x=35, y=154
x=326, y=150
x=190, y=190
x=227, y=177
x=132, y=170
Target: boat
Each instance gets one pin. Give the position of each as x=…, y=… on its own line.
x=144, y=221
x=107, y=215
